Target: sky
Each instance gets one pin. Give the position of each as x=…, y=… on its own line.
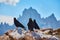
x=45, y=8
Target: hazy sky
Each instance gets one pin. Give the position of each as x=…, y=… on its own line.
x=44, y=7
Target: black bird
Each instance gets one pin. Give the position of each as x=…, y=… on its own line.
x=36, y=25
x=30, y=24
x=18, y=24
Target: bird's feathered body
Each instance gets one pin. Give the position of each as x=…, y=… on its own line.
x=30, y=24
x=36, y=25
x=17, y=23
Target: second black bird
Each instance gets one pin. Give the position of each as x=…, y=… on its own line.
x=18, y=24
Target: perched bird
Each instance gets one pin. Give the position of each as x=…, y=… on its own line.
x=30, y=24
x=36, y=25
x=18, y=24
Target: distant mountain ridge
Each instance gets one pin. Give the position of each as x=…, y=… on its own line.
x=48, y=22
x=29, y=13
x=5, y=27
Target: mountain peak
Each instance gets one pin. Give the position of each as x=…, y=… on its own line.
x=30, y=11
x=51, y=18
x=30, y=8
x=52, y=14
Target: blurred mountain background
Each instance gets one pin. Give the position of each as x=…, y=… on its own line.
x=48, y=22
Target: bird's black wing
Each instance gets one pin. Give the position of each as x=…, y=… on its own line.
x=18, y=24
x=36, y=25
